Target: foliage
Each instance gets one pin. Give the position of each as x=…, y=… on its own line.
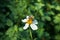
x=47, y=13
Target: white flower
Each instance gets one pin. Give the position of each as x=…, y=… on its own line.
x=30, y=22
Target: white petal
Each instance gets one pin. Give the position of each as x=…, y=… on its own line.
x=24, y=20
x=26, y=26
x=35, y=22
x=27, y=17
x=34, y=27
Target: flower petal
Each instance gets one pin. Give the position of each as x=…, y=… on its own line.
x=35, y=22
x=27, y=17
x=34, y=27
x=26, y=26
x=24, y=20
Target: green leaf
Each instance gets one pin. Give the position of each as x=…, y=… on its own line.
x=57, y=19
x=39, y=0
x=40, y=32
x=57, y=37
x=12, y=32
x=41, y=12
x=57, y=8
x=16, y=28
x=9, y=22
x=20, y=29
x=57, y=27
x=48, y=18
x=39, y=5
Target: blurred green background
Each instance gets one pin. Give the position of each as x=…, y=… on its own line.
x=46, y=12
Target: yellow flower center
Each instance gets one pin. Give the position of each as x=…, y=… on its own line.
x=29, y=21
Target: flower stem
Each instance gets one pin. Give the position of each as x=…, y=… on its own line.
x=31, y=34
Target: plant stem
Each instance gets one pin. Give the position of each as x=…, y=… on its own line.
x=31, y=34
